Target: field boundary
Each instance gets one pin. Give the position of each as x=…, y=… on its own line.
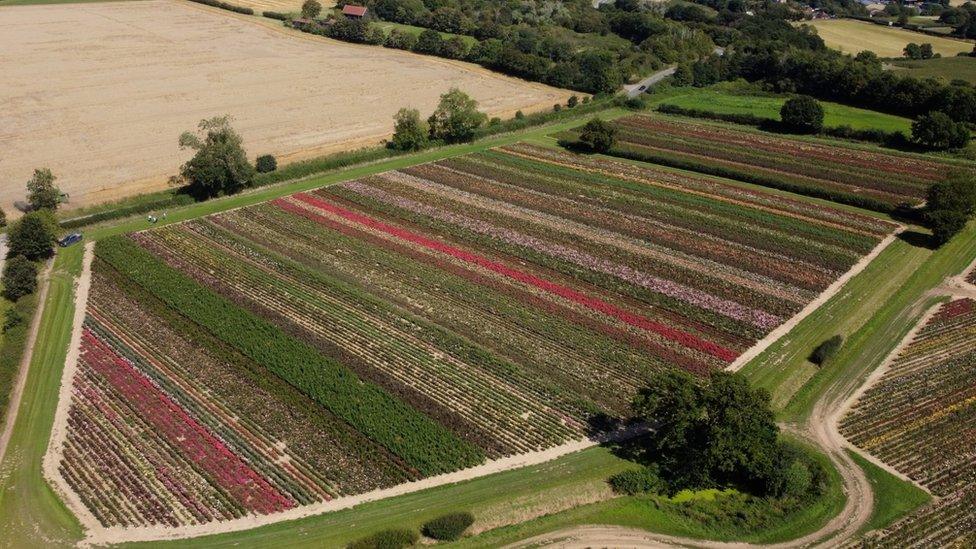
x=829, y=292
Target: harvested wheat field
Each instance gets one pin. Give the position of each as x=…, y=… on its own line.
x=853, y=37
x=101, y=92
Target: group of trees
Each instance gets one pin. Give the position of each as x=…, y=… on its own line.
x=219, y=165
x=919, y=51
x=453, y=121
x=31, y=238
x=715, y=433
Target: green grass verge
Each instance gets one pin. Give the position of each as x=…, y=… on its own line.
x=835, y=114
x=894, y=498
x=673, y=517
x=30, y=512
x=946, y=68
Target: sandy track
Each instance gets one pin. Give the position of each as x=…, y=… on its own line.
x=101, y=92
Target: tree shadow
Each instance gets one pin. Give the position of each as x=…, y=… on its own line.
x=918, y=239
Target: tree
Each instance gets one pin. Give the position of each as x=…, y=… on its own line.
x=949, y=205
x=456, y=117
x=718, y=434
x=926, y=51
x=598, y=72
x=220, y=165
x=19, y=277
x=41, y=192
x=266, y=163
x=409, y=131
x=598, y=135
x=802, y=114
x=430, y=42
x=33, y=235
x=912, y=51
x=826, y=350
x=936, y=130
x=311, y=9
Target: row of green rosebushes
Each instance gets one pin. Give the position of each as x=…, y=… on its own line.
x=422, y=443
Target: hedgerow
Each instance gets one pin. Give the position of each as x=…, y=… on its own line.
x=225, y=6
x=418, y=440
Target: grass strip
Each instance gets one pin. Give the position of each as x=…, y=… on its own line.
x=894, y=498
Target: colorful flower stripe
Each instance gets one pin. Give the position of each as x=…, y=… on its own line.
x=695, y=297
x=204, y=450
x=562, y=291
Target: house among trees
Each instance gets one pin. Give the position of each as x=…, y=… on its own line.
x=354, y=12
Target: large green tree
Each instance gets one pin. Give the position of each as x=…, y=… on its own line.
x=456, y=117
x=33, y=235
x=41, y=192
x=19, y=277
x=802, y=114
x=949, y=205
x=937, y=130
x=220, y=165
x=720, y=432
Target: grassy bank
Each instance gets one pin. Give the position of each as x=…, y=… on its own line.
x=893, y=498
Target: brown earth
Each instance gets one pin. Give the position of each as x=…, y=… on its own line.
x=100, y=92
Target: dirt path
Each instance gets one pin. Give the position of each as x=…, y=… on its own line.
x=21, y=380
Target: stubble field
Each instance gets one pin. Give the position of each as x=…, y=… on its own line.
x=101, y=92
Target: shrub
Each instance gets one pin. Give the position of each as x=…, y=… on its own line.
x=225, y=6
x=826, y=350
x=410, y=132
x=598, y=136
x=936, y=130
x=400, y=40
x=276, y=15
x=802, y=114
x=557, y=107
x=637, y=481
x=448, y=527
x=519, y=115
x=11, y=319
x=266, y=163
x=394, y=538
x=3, y=218
x=572, y=102
x=311, y=9
x=19, y=277
x=33, y=236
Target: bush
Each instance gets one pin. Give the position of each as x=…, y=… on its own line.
x=394, y=538
x=637, y=481
x=400, y=40
x=11, y=319
x=519, y=115
x=33, y=236
x=936, y=130
x=276, y=15
x=266, y=163
x=19, y=277
x=456, y=117
x=225, y=6
x=3, y=218
x=311, y=9
x=598, y=136
x=448, y=527
x=573, y=101
x=826, y=350
x=802, y=114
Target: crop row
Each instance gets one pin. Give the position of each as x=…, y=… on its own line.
x=422, y=443
x=835, y=172
x=920, y=418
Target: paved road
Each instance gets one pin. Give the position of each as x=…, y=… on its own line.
x=633, y=90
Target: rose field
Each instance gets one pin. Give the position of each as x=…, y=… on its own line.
x=418, y=322
x=876, y=179
x=920, y=418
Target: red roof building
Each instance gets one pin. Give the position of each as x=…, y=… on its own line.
x=354, y=11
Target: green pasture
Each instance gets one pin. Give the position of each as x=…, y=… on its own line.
x=835, y=114
x=944, y=68
x=388, y=26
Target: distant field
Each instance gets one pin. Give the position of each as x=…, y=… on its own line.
x=387, y=26
x=281, y=6
x=132, y=76
x=869, y=177
x=768, y=107
x=948, y=68
x=850, y=36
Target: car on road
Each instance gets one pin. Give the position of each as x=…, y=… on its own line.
x=72, y=238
